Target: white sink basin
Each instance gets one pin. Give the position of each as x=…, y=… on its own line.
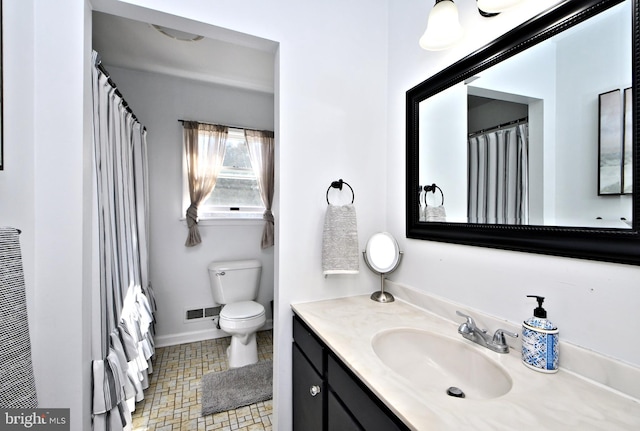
x=435, y=363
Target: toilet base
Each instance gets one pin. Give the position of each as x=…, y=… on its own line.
x=241, y=353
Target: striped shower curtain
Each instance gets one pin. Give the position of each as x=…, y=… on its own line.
x=499, y=176
x=122, y=362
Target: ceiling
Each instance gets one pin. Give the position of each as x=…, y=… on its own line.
x=137, y=45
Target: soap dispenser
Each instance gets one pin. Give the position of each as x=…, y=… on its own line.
x=540, y=341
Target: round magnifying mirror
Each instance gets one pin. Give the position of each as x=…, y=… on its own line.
x=382, y=255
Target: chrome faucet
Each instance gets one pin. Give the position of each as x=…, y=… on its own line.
x=497, y=342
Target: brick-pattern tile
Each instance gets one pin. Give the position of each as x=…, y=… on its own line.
x=172, y=400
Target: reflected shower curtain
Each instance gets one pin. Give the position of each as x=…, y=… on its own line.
x=122, y=362
x=499, y=176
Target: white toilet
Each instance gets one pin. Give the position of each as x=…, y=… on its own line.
x=235, y=285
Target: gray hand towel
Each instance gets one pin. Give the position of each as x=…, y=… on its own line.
x=436, y=213
x=340, y=241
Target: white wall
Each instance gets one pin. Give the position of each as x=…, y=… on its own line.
x=179, y=274
x=45, y=189
x=330, y=123
x=331, y=115
x=590, y=301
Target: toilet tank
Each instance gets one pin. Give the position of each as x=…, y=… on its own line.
x=235, y=280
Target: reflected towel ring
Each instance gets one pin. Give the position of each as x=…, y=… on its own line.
x=338, y=185
x=432, y=188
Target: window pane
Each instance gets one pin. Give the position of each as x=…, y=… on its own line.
x=237, y=154
x=234, y=192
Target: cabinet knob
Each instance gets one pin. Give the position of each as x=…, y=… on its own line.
x=314, y=390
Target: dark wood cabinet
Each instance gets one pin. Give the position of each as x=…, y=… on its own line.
x=327, y=396
x=308, y=394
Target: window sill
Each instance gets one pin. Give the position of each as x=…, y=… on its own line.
x=226, y=219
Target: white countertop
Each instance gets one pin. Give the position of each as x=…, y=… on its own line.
x=536, y=401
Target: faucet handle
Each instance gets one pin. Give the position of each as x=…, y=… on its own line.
x=498, y=336
x=468, y=326
x=470, y=321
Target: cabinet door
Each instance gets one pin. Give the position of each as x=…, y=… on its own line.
x=338, y=417
x=308, y=409
x=365, y=407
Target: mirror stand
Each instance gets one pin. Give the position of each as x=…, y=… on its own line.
x=382, y=255
x=382, y=296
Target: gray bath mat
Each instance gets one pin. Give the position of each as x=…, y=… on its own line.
x=237, y=387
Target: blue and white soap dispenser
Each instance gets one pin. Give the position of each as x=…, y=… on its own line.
x=540, y=341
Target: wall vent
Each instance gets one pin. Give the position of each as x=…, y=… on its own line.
x=212, y=311
x=198, y=314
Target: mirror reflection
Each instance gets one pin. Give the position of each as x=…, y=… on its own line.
x=529, y=141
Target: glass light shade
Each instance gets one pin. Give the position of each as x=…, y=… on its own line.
x=496, y=6
x=443, y=27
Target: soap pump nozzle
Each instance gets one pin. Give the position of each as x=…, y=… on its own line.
x=539, y=311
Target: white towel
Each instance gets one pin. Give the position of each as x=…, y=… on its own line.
x=436, y=213
x=340, y=241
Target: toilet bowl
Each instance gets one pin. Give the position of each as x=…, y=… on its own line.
x=235, y=285
x=241, y=320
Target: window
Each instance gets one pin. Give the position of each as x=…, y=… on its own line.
x=236, y=194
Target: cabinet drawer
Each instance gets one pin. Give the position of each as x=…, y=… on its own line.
x=370, y=412
x=308, y=344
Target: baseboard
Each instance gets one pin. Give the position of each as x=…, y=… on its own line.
x=195, y=336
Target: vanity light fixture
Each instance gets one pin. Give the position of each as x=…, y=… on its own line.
x=443, y=25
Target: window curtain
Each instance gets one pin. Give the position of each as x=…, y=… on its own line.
x=261, y=151
x=204, y=146
x=499, y=176
x=122, y=361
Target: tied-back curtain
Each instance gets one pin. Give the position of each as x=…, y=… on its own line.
x=123, y=360
x=204, y=146
x=499, y=176
x=261, y=151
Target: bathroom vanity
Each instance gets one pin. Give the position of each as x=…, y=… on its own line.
x=363, y=365
x=325, y=391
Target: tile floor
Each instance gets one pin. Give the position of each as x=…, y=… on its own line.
x=172, y=401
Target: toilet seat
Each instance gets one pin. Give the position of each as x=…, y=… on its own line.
x=242, y=315
x=242, y=310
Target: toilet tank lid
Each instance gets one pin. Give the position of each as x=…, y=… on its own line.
x=235, y=264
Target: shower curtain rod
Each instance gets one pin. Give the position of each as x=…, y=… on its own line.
x=498, y=127
x=225, y=125
x=115, y=87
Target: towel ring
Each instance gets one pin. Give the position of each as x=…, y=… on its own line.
x=432, y=188
x=338, y=185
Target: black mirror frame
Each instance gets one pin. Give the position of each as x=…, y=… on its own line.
x=611, y=245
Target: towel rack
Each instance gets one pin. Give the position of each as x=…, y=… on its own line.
x=432, y=188
x=338, y=185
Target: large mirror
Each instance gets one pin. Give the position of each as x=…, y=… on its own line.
x=533, y=139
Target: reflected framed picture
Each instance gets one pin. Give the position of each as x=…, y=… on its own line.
x=610, y=143
x=627, y=151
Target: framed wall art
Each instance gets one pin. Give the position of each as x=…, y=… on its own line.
x=627, y=162
x=610, y=143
